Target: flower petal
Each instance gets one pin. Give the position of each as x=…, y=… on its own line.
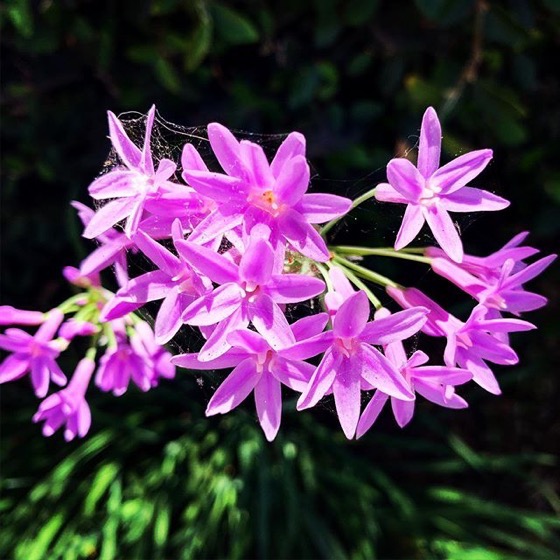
x=215, y=306
x=403, y=411
x=318, y=208
x=444, y=231
x=234, y=389
x=109, y=215
x=227, y=150
x=384, y=192
x=405, y=178
x=371, y=412
x=257, y=262
x=430, y=143
x=321, y=381
x=303, y=236
x=398, y=326
x=461, y=171
x=469, y=199
x=128, y=152
x=268, y=400
x=293, y=181
x=115, y=184
x=352, y=316
x=292, y=288
x=215, y=266
x=270, y=322
x=347, y=396
x=292, y=146
x=412, y=223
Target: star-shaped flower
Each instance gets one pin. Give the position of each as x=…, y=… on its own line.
x=431, y=192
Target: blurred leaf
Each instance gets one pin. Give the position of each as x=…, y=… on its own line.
x=167, y=75
x=19, y=12
x=232, y=27
x=359, y=12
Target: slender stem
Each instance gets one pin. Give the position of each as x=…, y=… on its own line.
x=364, y=251
x=360, y=285
x=325, y=275
x=366, y=273
x=366, y=196
x=73, y=302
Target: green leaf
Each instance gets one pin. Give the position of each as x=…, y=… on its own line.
x=104, y=477
x=231, y=27
x=21, y=17
x=167, y=75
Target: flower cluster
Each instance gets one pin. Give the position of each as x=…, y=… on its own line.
x=234, y=247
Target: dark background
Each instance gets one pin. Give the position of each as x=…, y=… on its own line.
x=154, y=478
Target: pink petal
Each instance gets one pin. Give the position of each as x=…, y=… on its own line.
x=146, y=162
x=302, y=236
x=159, y=255
x=444, y=231
x=468, y=199
x=256, y=164
x=227, y=150
x=518, y=301
x=482, y=374
x=166, y=169
x=309, y=326
x=217, y=343
x=13, y=367
x=148, y=287
x=321, y=381
x=371, y=412
x=226, y=360
x=217, y=186
x=442, y=374
x=270, y=322
x=398, y=326
x=381, y=374
x=234, y=389
x=435, y=394
x=293, y=181
x=40, y=376
x=403, y=411
x=84, y=418
x=529, y=272
x=168, y=320
x=430, y=143
x=115, y=184
x=257, y=263
x=461, y=171
x=292, y=146
x=215, y=266
x=220, y=221
x=309, y=347
x=128, y=152
x=320, y=208
x=412, y=223
x=268, y=400
x=109, y=215
x=101, y=258
x=292, y=288
x=215, y=306
x=294, y=374
x=346, y=390
x=405, y=178
x=249, y=341
x=352, y=316
x=384, y=192
x=191, y=160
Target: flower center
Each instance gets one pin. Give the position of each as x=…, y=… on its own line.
x=266, y=201
x=347, y=346
x=430, y=193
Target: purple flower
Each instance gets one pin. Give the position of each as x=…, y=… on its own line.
x=435, y=383
x=36, y=354
x=258, y=367
x=496, y=281
x=69, y=405
x=175, y=282
x=350, y=359
x=137, y=358
x=248, y=292
x=342, y=290
x=254, y=191
x=137, y=186
x=469, y=345
x=430, y=191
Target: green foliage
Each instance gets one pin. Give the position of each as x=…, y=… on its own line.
x=152, y=488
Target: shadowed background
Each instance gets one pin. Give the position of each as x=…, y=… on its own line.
x=154, y=478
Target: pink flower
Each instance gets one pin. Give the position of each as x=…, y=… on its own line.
x=430, y=191
x=254, y=191
x=137, y=186
x=350, y=359
x=258, y=367
x=36, y=354
x=11, y=316
x=68, y=406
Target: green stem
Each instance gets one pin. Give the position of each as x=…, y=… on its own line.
x=69, y=304
x=325, y=275
x=366, y=196
x=382, y=252
x=366, y=273
x=360, y=285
